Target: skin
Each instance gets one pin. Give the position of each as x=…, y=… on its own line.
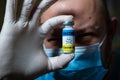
x=90, y=25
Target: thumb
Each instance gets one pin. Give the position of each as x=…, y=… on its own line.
x=59, y=62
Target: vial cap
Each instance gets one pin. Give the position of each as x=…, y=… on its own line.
x=68, y=23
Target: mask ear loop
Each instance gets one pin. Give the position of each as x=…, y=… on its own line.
x=109, y=57
x=101, y=43
x=44, y=48
x=108, y=60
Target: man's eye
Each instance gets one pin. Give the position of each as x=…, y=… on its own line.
x=85, y=39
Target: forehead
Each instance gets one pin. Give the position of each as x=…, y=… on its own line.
x=83, y=11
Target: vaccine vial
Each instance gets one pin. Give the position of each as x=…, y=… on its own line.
x=68, y=37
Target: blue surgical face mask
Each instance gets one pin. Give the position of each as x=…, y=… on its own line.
x=87, y=61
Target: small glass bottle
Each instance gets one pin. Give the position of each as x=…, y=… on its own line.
x=68, y=37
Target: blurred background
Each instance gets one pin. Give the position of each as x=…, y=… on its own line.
x=114, y=10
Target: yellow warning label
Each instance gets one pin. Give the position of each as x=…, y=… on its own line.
x=68, y=48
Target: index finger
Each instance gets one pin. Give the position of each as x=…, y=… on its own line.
x=53, y=23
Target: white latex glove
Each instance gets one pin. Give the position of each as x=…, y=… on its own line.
x=21, y=53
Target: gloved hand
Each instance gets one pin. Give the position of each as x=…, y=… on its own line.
x=21, y=52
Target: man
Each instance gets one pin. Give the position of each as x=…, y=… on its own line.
x=94, y=31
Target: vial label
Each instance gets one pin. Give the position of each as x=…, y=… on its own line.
x=68, y=41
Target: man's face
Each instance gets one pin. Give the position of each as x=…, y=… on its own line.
x=89, y=22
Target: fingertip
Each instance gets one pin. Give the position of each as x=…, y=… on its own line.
x=70, y=17
x=61, y=61
x=68, y=54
